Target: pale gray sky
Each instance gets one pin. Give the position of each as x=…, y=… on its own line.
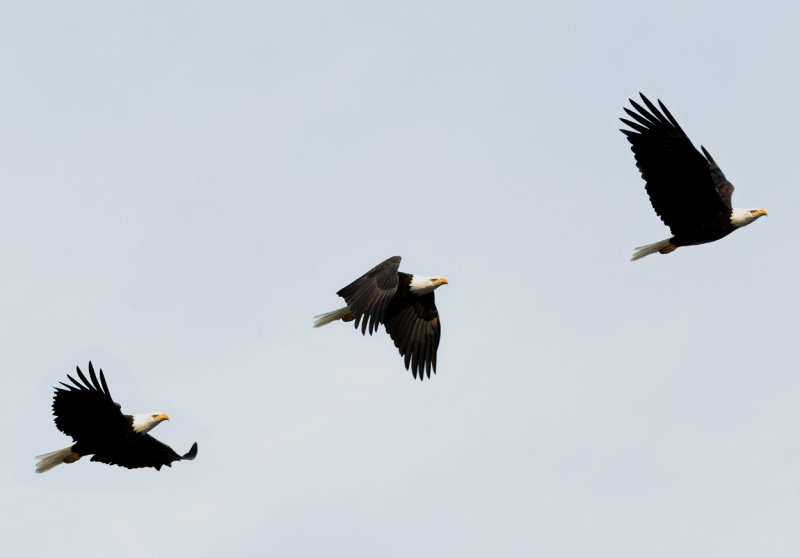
x=186, y=184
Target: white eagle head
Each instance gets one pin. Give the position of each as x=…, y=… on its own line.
x=145, y=422
x=742, y=217
x=421, y=285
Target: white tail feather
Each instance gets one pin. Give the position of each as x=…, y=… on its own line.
x=49, y=460
x=642, y=251
x=324, y=319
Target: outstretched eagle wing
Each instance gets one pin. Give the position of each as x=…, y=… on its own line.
x=412, y=321
x=370, y=295
x=686, y=190
x=723, y=187
x=85, y=410
x=142, y=451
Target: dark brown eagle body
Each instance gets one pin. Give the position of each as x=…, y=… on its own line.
x=687, y=189
x=85, y=411
x=384, y=295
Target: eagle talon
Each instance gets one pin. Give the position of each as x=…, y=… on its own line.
x=72, y=458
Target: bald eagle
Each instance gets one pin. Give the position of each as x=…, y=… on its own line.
x=86, y=412
x=687, y=189
x=403, y=303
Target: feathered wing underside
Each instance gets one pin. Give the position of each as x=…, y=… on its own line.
x=85, y=410
x=688, y=191
x=369, y=296
x=412, y=321
x=142, y=451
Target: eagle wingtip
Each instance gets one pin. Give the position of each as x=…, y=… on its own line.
x=191, y=454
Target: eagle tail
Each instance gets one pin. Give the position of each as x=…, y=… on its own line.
x=49, y=460
x=642, y=251
x=340, y=314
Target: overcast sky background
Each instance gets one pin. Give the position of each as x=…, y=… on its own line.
x=185, y=185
